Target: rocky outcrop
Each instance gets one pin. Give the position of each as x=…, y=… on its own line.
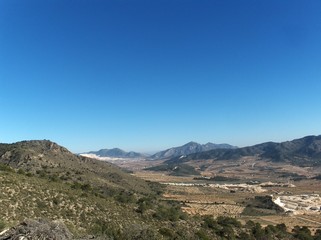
x=37, y=230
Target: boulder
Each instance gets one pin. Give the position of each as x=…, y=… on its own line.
x=38, y=230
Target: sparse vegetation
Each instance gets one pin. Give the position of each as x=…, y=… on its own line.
x=2, y=225
x=176, y=169
x=5, y=168
x=171, y=212
x=97, y=198
x=260, y=206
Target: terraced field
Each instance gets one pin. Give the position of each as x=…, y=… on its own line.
x=216, y=201
x=213, y=209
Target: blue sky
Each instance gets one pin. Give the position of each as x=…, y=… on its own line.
x=148, y=75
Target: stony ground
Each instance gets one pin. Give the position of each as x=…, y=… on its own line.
x=24, y=197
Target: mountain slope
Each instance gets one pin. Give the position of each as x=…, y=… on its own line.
x=47, y=158
x=116, y=153
x=189, y=148
x=303, y=151
x=94, y=199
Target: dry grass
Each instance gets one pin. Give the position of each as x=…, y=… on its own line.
x=24, y=197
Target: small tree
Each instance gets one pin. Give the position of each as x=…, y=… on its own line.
x=257, y=231
x=302, y=233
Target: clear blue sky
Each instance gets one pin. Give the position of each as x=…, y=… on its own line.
x=148, y=75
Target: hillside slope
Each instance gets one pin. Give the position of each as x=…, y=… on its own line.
x=40, y=179
x=43, y=157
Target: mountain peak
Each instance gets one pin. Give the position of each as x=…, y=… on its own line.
x=192, y=143
x=304, y=151
x=116, y=153
x=33, y=155
x=188, y=148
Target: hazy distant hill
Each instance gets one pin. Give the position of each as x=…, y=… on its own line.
x=303, y=151
x=116, y=153
x=189, y=148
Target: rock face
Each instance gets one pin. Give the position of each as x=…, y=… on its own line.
x=38, y=230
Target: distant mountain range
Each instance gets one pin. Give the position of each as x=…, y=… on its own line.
x=189, y=148
x=305, y=151
x=116, y=153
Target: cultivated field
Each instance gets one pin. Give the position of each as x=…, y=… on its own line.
x=207, y=200
x=201, y=197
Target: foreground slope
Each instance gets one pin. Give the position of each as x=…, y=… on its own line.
x=40, y=179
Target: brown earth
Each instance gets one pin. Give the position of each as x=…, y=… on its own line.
x=204, y=200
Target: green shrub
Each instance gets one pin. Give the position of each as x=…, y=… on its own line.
x=257, y=231
x=2, y=225
x=201, y=234
x=302, y=233
x=41, y=205
x=125, y=197
x=54, y=178
x=227, y=232
x=281, y=227
x=140, y=232
x=166, y=232
x=29, y=174
x=41, y=173
x=228, y=221
x=209, y=222
x=144, y=203
x=157, y=188
x=21, y=171
x=102, y=228
x=245, y=236
x=171, y=213
x=76, y=185
x=5, y=168
x=55, y=201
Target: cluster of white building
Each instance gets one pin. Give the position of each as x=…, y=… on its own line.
x=300, y=204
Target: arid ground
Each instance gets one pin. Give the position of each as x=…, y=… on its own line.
x=251, y=178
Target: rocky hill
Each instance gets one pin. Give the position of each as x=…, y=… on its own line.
x=38, y=229
x=189, y=148
x=42, y=180
x=305, y=151
x=46, y=158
